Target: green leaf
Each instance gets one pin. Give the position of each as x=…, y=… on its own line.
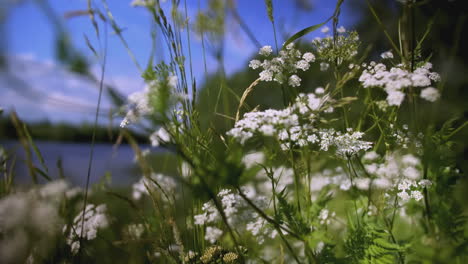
x=304, y=32
x=310, y=29
x=90, y=46
x=35, y=148
x=42, y=173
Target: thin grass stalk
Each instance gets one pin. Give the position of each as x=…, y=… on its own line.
x=244, y=97
x=192, y=80
x=379, y=21
x=25, y=145
x=93, y=139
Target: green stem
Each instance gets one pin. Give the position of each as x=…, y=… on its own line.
x=296, y=180
x=277, y=226
x=456, y=131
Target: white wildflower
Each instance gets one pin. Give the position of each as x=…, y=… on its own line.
x=267, y=130
x=172, y=81
x=393, y=81
x=255, y=228
x=135, y=230
x=73, y=192
x=405, y=185
x=362, y=183
x=325, y=29
x=371, y=168
x=238, y=212
x=266, y=75
x=30, y=221
x=404, y=196
x=302, y=65
x=294, y=81
x=319, y=247
x=159, y=136
x=430, y=94
x=94, y=219
x=395, y=97
x=185, y=170
x=345, y=184
x=370, y=156
x=309, y=57
x=319, y=90
x=212, y=234
x=387, y=55
x=341, y=29
x=54, y=189
x=420, y=79
x=434, y=76
x=411, y=173
x=350, y=143
x=265, y=50
x=424, y=183
x=417, y=195
x=325, y=216
x=290, y=46
x=382, y=183
x=254, y=64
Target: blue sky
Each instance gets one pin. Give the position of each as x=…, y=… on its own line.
x=53, y=93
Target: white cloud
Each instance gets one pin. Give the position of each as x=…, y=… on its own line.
x=44, y=90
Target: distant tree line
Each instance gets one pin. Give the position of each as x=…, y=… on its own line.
x=45, y=130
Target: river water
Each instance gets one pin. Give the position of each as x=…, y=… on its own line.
x=118, y=161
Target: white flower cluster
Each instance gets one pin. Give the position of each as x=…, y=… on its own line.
x=395, y=80
x=185, y=170
x=402, y=171
x=343, y=48
x=238, y=213
x=283, y=68
x=409, y=189
x=94, y=218
x=284, y=124
x=405, y=138
x=430, y=94
x=135, y=231
x=139, y=105
x=213, y=234
x=259, y=228
x=387, y=55
x=29, y=221
x=293, y=126
x=325, y=216
x=160, y=136
x=348, y=144
x=144, y=186
x=287, y=127
x=336, y=177
x=252, y=159
x=385, y=174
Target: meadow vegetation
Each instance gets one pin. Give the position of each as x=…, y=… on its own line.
x=323, y=151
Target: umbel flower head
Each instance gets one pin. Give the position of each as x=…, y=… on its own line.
x=342, y=48
x=283, y=68
x=94, y=219
x=397, y=79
